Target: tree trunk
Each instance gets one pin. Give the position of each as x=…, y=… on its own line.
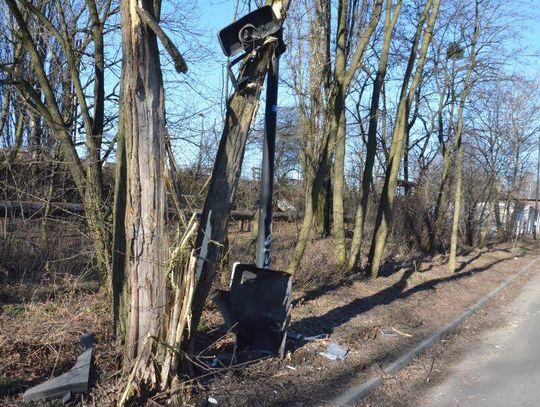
x=485, y=226
x=4, y=113
x=343, y=77
x=371, y=148
x=536, y=191
x=143, y=127
x=241, y=109
x=386, y=204
x=437, y=226
x=339, y=184
x=19, y=129
x=119, y=281
x=459, y=143
x=311, y=206
x=497, y=211
x=312, y=106
x=338, y=127
x=322, y=221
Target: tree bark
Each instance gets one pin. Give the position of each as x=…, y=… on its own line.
x=322, y=221
x=19, y=128
x=6, y=98
x=119, y=280
x=143, y=129
x=311, y=205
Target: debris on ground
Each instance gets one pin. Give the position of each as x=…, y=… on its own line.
x=290, y=367
x=300, y=337
x=388, y=333
x=393, y=333
x=334, y=352
x=73, y=381
x=402, y=333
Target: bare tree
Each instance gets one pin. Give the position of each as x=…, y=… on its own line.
x=86, y=176
x=384, y=212
x=371, y=144
x=337, y=85
x=150, y=309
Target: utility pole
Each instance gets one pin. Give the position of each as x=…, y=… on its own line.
x=536, y=195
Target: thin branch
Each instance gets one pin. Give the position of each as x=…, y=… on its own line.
x=179, y=62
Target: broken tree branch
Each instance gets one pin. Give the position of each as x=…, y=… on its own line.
x=179, y=62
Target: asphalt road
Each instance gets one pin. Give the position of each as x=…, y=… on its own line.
x=504, y=370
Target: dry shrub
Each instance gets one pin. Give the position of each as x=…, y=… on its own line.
x=318, y=266
x=410, y=229
x=40, y=339
x=49, y=296
x=34, y=251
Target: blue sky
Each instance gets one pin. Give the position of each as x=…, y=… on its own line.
x=208, y=75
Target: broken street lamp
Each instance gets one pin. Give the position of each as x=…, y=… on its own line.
x=257, y=306
x=248, y=34
x=249, y=31
x=257, y=310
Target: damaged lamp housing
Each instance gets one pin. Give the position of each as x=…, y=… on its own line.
x=248, y=34
x=260, y=301
x=249, y=31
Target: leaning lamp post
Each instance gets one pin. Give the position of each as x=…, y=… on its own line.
x=257, y=304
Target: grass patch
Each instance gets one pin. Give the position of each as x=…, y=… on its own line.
x=12, y=310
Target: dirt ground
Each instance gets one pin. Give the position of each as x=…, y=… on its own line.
x=375, y=320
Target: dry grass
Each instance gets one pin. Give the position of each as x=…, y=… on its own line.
x=412, y=300
x=40, y=339
x=49, y=296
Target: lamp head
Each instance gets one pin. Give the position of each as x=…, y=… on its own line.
x=249, y=31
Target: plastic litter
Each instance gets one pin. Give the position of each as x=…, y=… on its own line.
x=73, y=381
x=300, y=337
x=290, y=367
x=315, y=337
x=294, y=335
x=334, y=352
x=388, y=333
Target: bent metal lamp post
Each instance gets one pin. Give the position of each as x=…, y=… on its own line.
x=258, y=302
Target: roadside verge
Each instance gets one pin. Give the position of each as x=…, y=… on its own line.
x=356, y=393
